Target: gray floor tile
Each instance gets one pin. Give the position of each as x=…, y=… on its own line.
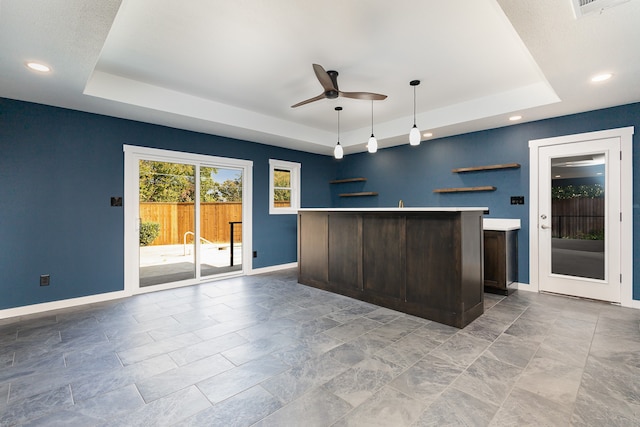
x=388, y=407
x=461, y=349
x=360, y=382
x=513, y=350
x=428, y=378
x=488, y=379
x=167, y=382
x=551, y=379
x=259, y=348
x=207, y=348
x=318, y=408
x=157, y=348
x=593, y=408
x=296, y=381
x=524, y=408
x=241, y=410
x=166, y=411
x=22, y=410
x=92, y=386
x=264, y=349
x=352, y=329
x=241, y=378
x=457, y=408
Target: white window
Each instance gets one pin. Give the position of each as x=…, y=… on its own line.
x=284, y=187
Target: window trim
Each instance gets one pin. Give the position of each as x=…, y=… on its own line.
x=294, y=168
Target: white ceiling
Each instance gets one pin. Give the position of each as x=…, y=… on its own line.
x=234, y=68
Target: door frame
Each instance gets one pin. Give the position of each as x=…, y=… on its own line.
x=625, y=135
x=132, y=154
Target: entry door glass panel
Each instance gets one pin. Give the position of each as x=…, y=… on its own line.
x=578, y=216
x=220, y=220
x=166, y=222
x=579, y=219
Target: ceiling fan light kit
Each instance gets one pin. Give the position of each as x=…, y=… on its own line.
x=414, y=134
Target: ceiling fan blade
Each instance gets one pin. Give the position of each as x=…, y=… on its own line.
x=324, y=78
x=315, y=98
x=364, y=95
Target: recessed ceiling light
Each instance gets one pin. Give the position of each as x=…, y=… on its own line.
x=427, y=134
x=37, y=66
x=558, y=176
x=601, y=77
x=514, y=118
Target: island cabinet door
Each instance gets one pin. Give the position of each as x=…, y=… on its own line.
x=433, y=262
x=345, y=252
x=384, y=258
x=313, y=250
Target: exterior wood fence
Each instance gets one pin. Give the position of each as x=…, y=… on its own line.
x=176, y=219
x=577, y=217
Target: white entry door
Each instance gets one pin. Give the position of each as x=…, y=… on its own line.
x=579, y=219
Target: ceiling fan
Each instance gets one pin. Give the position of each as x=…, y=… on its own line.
x=329, y=82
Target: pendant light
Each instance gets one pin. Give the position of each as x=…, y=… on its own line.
x=338, y=153
x=372, y=145
x=414, y=135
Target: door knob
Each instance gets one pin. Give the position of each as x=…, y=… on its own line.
x=545, y=227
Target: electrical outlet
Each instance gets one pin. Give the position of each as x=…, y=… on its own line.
x=255, y=254
x=45, y=279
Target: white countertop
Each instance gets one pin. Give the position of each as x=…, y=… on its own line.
x=462, y=209
x=500, y=224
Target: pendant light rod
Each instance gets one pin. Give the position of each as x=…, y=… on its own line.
x=372, y=117
x=338, y=152
x=372, y=145
x=414, y=83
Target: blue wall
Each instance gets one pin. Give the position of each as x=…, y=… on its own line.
x=58, y=170
x=412, y=173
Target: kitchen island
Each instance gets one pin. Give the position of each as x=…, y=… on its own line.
x=427, y=262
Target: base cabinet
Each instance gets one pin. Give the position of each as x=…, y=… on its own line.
x=427, y=264
x=500, y=261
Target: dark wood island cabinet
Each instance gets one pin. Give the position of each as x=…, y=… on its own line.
x=421, y=261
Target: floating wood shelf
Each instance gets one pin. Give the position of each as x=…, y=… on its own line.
x=361, y=194
x=486, y=168
x=463, y=189
x=342, y=181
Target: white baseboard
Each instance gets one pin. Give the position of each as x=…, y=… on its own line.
x=28, y=310
x=524, y=287
x=273, y=268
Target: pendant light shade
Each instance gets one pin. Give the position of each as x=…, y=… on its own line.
x=338, y=152
x=372, y=145
x=414, y=135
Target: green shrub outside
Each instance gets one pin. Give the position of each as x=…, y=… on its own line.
x=148, y=232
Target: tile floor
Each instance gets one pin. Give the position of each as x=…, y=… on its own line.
x=266, y=351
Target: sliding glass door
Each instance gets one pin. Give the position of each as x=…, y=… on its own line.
x=167, y=219
x=220, y=220
x=188, y=224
